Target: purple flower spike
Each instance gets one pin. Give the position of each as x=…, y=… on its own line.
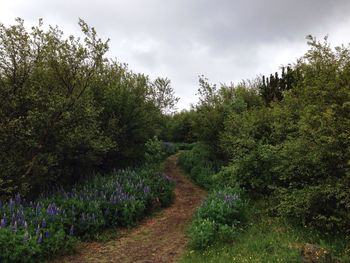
x=43, y=224
x=18, y=199
x=3, y=223
x=14, y=227
x=146, y=189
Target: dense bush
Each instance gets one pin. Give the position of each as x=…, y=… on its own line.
x=169, y=148
x=295, y=147
x=32, y=231
x=219, y=218
x=67, y=111
x=182, y=146
x=179, y=127
x=198, y=163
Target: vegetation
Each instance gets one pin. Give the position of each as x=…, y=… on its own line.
x=283, y=139
x=275, y=148
x=39, y=230
x=67, y=111
x=198, y=164
x=69, y=116
x=266, y=238
x=218, y=218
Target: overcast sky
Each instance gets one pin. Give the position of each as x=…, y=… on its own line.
x=225, y=40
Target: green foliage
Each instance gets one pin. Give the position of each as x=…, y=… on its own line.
x=180, y=127
x=185, y=146
x=67, y=111
x=169, y=148
x=163, y=95
x=129, y=116
x=263, y=240
x=286, y=140
x=216, y=105
x=197, y=162
x=267, y=239
x=313, y=161
x=296, y=148
x=218, y=218
x=154, y=151
x=38, y=231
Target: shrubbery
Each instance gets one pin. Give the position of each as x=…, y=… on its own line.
x=32, y=231
x=198, y=164
x=285, y=138
x=67, y=111
x=182, y=146
x=218, y=219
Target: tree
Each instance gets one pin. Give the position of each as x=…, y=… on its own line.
x=163, y=95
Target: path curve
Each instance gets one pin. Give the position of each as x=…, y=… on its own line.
x=158, y=239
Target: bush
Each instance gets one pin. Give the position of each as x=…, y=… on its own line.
x=197, y=162
x=67, y=111
x=296, y=149
x=218, y=218
x=169, y=148
x=182, y=146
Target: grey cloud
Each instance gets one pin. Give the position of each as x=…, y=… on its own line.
x=224, y=39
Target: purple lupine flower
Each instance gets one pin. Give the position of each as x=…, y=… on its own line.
x=52, y=210
x=146, y=190
x=14, y=227
x=43, y=223
x=3, y=222
x=47, y=234
x=18, y=199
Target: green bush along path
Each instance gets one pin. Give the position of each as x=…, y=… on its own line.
x=161, y=238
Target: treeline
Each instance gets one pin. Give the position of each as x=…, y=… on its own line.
x=67, y=111
x=285, y=138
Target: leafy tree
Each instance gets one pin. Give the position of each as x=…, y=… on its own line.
x=163, y=95
x=67, y=111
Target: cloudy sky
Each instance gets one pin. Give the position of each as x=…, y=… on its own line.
x=225, y=40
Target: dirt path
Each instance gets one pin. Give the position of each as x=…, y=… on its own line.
x=158, y=239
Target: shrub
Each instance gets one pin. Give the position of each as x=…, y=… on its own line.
x=197, y=162
x=218, y=218
x=154, y=151
x=169, y=148
x=182, y=146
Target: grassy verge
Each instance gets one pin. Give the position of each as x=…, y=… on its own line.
x=266, y=239
x=260, y=238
